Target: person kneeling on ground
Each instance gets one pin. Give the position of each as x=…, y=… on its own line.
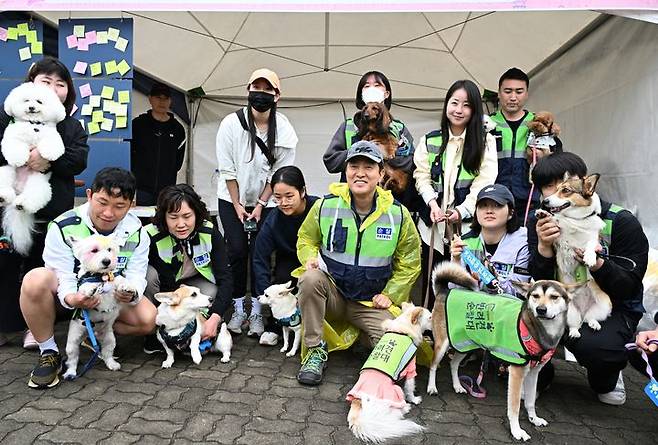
x=360, y=253
x=53, y=290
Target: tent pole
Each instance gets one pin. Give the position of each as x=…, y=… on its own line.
x=189, y=169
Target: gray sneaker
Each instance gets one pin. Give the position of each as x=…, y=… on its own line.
x=237, y=320
x=256, y=326
x=313, y=365
x=617, y=396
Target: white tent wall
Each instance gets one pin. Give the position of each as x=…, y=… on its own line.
x=315, y=126
x=604, y=92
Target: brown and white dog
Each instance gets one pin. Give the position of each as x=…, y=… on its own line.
x=575, y=207
x=377, y=404
x=544, y=316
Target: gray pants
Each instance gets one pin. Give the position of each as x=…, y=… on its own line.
x=153, y=284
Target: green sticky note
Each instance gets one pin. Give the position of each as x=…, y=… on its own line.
x=97, y=116
x=24, y=53
x=107, y=92
x=93, y=128
x=111, y=67
x=79, y=30
x=31, y=36
x=12, y=34
x=123, y=67
x=101, y=37
x=122, y=122
x=112, y=34
x=37, y=48
x=124, y=97
x=96, y=68
x=23, y=29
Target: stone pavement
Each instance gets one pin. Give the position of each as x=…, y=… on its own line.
x=255, y=399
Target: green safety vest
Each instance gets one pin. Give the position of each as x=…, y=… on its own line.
x=170, y=253
x=395, y=128
x=482, y=321
x=513, y=145
x=391, y=355
x=71, y=225
x=436, y=158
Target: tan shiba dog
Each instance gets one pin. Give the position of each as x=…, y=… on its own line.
x=542, y=315
x=575, y=207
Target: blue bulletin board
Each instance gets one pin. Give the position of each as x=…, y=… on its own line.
x=103, y=154
x=110, y=99
x=21, y=44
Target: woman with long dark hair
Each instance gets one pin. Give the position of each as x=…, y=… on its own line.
x=252, y=144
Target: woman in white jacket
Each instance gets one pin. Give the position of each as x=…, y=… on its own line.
x=252, y=144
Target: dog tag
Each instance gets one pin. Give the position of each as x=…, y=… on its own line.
x=651, y=390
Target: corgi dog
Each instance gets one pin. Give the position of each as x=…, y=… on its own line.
x=575, y=207
x=540, y=322
x=181, y=322
x=377, y=404
x=285, y=311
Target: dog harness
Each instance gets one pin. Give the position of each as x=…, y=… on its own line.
x=181, y=341
x=105, y=279
x=493, y=322
x=391, y=355
x=293, y=321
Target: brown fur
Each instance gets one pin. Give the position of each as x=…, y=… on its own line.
x=543, y=123
x=373, y=126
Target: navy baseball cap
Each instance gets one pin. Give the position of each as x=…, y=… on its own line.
x=498, y=193
x=365, y=149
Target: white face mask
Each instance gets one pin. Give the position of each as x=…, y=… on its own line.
x=373, y=94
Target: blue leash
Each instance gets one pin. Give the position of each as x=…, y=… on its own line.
x=90, y=332
x=476, y=266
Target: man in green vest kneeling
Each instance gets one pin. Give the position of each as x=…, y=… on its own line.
x=360, y=253
x=52, y=291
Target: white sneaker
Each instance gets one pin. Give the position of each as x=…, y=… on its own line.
x=236, y=322
x=269, y=339
x=617, y=396
x=256, y=326
x=29, y=342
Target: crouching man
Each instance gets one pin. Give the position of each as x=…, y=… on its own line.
x=51, y=291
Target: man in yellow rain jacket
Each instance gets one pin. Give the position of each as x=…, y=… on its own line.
x=360, y=256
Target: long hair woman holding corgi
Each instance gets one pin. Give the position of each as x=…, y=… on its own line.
x=453, y=164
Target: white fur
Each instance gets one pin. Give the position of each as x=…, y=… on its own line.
x=23, y=189
x=224, y=343
x=105, y=314
x=283, y=304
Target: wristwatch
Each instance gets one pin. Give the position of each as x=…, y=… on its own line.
x=261, y=202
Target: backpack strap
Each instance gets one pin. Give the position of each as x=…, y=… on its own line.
x=259, y=141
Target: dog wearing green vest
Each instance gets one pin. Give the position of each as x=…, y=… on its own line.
x=377, y=404
x=98, y=257
x=521, y=333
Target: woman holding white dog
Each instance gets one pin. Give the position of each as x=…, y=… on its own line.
x=453, y=164
x=53, y=74
x=278, y=237
x=187, y=248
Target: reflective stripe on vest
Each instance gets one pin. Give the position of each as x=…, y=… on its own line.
x=391, y=355
x=395, y=128
x=481, y=321
x=170, y=252
x=520, y=139
x=437, y=167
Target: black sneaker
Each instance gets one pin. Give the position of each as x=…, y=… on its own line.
x=46, y=373
x=313, y=365
x=152, y=345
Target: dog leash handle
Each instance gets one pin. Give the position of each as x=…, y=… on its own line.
x=476, y=266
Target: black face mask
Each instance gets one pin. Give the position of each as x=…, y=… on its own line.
x=261, y=101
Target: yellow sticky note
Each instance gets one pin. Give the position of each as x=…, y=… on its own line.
x=12, y=34
x=112, y=34
x=37, y=48
x=121, y=110
x=31, y=36
x=87, y=110
x=122, y=122
x=23, y=29
x=124, y=97
x=101, y=37
x=121, y=44
x=111, y=67
x=123, y=67
x=96, y=68
x=95, y=101
x=107, y=92
x=79, y=30
x=24, y=53
x=97, y=116
x=107, y=124
x=93, y=128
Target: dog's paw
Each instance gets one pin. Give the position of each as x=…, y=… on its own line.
x=459, y=389
x=126, y=287
x=520, y=434
x=70, y=374
x=589, y=258
x=415, y=400
x=24, y=204
x=225, y=359
x=7, y=196
x=284, y=349
x=196, y=357
x=595, y=325
x=541, y=213
x=537, y=421
x=113, y=365
x=574, y=333
x=168, y=363
x=431, y=390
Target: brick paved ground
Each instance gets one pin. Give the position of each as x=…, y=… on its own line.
x=255, y=399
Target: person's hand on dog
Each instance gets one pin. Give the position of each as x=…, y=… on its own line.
x=456, y=248
x=241, y=212
x=642, y=340
x=124, y=296
x=381, y=301
x=547, y=232
x=436, y=214
x=36, y=162
x=78, y=300
x=599, y=261
x=210, y=327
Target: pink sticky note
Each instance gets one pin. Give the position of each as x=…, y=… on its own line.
x=83, y=45
x=80, y=67
x=3, y=34
x=85, y=90
x=90, y=36
x=74, y=109
x=72, y=41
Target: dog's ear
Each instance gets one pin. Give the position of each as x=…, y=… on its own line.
x=72, y=240
x=406, y=306
x=589, y=184
x=566, y=177
x=522, y=287
x=288, y=286
x=416, y=314
x=573, y=289
x=165, y=297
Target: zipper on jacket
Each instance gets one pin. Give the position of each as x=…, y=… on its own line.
x=359, y=235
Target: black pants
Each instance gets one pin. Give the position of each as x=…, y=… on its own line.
x=602, y=352
x=239, y=245
x=426, y=273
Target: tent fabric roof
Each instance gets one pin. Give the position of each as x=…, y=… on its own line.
x=322, y=55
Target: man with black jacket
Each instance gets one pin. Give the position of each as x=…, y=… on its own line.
x=157, y=148
x=601, y=352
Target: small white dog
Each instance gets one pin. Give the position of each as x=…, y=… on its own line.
x=181, y=325
x=286, y=312
x=36, y=110
x=97, y=255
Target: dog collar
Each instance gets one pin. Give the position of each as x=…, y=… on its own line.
x=90, y=277
x=293, y=321
x=37, y=122
x=182, y=340
x=536, y=353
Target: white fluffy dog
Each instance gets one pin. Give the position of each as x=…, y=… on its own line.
x=286, y=312
x=98, y=259
x=36, y=110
